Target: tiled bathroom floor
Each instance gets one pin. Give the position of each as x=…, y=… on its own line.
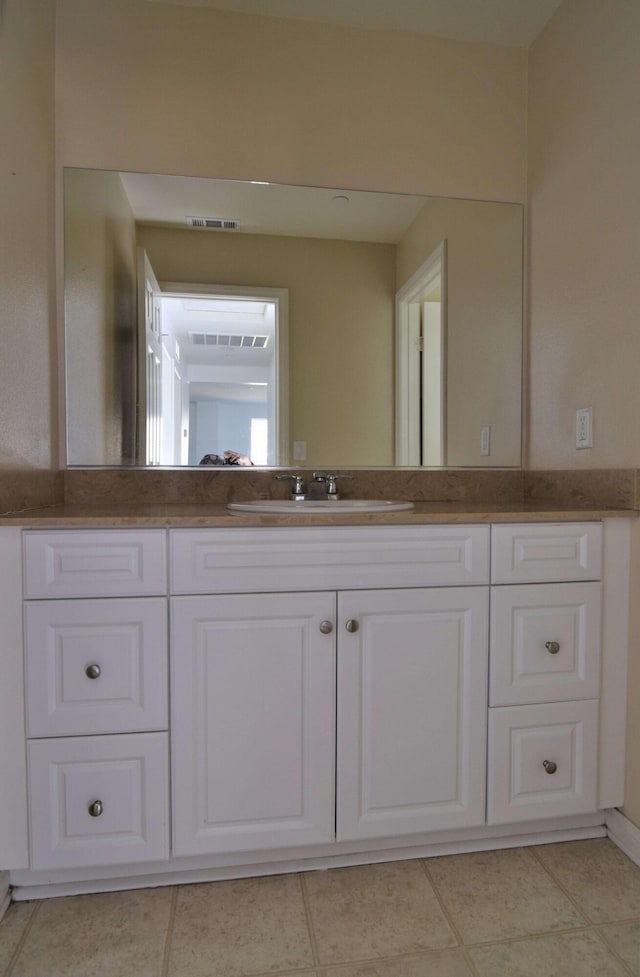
x=564, y=910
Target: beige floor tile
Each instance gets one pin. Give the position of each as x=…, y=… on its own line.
x=625, y=940
x=498, y=895
x=12, y=927
x=565, y=955
x=375, y=911
x=233, y=929
x=602, y=880
x=437, y=963
x=108, y=935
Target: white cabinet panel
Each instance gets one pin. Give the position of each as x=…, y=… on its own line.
x=98, y=800
x=76, y=563
x=327, y=557
x=545, y=643
x=542, y=761
x=412, y=701
x=545, y=552
x=253, y=715
x=96, y=666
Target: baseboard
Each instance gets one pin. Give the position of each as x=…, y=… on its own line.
x=5, y=895
x=624, y=834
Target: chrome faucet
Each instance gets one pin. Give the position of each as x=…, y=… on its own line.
x=297, y=487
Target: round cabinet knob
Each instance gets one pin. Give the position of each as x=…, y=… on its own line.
x=93, y=671
x=96, y=809
x=553, y=647
x=352, y=626
x=326, y=627
x=549, y=766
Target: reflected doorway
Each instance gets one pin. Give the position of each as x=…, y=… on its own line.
x=213, y=372
x=421, y=354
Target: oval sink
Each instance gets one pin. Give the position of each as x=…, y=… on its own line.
x=313, y=507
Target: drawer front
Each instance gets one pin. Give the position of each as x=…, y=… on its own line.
x=112, y=563
x=327, y=558
x=525, y=742
x=540, y=553
x=101, y=800
x=545, y=643
x=96, y=666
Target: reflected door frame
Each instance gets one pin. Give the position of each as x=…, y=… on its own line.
x=280, y=298
x=420, y=426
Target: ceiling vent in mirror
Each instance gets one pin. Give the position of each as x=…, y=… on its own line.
x=213, y=223
x=224, y=339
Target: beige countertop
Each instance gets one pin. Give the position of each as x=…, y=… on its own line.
x=217, y=515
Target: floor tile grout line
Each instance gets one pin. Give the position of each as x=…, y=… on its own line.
x=574, y=902
x=309, y=915
x=613, y=950
x=169, y=937
x=447, y=915
x=23, y=939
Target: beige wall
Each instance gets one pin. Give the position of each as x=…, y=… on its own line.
x=584, y=243
x=341, y=301
x=584, y=221
x=484, y=321
x=101, y=319
x=201, y=92
x=27, y=364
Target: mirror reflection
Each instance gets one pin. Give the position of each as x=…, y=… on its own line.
x=293, y=325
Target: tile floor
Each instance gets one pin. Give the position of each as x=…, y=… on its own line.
x=563, y=910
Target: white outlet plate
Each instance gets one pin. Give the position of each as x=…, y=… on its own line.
x=299, y=450
x=485, y=440
x=584, y=428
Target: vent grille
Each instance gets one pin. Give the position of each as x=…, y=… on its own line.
x=213, y=223
x=224, y=339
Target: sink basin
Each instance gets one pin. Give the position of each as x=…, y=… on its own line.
x=313, y=507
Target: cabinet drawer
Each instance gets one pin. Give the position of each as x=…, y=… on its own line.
x=123, y=780
x=530, y=554
x=545, y=643
x=327, y=558
x=96, y=666
x=524, y=744
x=94, y=564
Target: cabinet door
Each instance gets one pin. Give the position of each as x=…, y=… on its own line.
x=545, y=643
x=412, y=701
x=253, y=682
x=542, y=760
x=96, y=666
x=98, y=800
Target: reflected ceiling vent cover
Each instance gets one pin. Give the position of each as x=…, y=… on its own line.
x=224, y=339
x=213, y=223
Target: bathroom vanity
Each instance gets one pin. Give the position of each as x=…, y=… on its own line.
x=211, y=702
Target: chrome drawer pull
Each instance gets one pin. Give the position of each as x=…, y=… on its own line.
x=553, y=647
x=96, y=809
x=326, y=627
x=352, y=626
x=549, y=766
x=93, y=671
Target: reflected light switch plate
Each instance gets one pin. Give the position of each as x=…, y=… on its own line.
x=299, y=450
x=584, y=428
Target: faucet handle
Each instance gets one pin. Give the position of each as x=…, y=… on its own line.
x=297, y=489
x=332, y=489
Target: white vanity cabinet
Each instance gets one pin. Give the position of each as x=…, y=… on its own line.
x=545, y=671
x=207, y=701
x=254, y=684
x=96, y=697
